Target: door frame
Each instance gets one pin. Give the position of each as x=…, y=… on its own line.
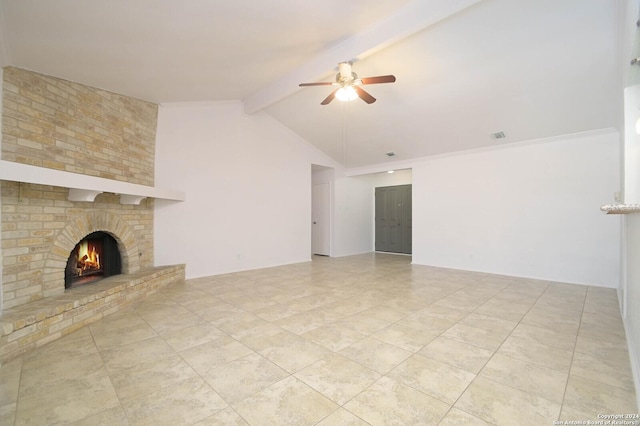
x=321, y=210
x=406, y=216
x=322, y=175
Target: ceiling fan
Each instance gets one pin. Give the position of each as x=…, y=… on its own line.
x=349, y=85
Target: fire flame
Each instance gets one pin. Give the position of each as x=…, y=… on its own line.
x=87, y=256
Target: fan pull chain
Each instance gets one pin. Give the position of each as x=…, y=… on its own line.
x=345, y=134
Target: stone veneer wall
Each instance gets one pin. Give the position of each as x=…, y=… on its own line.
x=54, y=123
x=62, y=125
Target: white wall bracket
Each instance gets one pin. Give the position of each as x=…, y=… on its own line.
x=131, y=199
x=87, y=195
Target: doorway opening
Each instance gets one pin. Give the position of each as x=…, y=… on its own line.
x=321, y=178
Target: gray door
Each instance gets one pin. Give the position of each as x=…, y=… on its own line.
x=393, y=219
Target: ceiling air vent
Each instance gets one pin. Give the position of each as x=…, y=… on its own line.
x=390, y=154
x=498, y=135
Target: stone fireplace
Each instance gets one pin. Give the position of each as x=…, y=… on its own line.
x=76, y=162
x=68, y=127
x=45, y=228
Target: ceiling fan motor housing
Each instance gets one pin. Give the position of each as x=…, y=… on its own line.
x=344, y=73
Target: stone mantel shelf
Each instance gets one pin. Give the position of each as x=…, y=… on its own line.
x=620, y=208
x=84, y=187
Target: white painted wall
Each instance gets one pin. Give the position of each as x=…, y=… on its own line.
x=529, y=210
x=631, y=146
x=399, y=177
x=353, y=215
x=632, y=320
x=248, y=190
x=630, y=289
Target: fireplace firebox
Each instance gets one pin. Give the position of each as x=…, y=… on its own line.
x=95, y=257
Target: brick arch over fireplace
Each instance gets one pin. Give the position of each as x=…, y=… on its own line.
x=79, y=227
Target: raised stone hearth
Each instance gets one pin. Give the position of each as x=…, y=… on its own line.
x=34, y=324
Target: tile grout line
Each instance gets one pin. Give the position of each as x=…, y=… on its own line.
x=224, y=333
x=573, y=354
x=496, y=351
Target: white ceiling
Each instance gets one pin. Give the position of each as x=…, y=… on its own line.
x=531, y=69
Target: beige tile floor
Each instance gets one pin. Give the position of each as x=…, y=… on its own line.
x=361, y=340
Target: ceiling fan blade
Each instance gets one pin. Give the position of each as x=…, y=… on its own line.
x=322, y=83
x=329, y=98
x=379, y=79
x=364, y=95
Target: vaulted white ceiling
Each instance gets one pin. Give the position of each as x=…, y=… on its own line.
x=464, y=68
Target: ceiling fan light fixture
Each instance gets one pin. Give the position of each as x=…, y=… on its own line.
x=350, y=85
x=346, y=93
